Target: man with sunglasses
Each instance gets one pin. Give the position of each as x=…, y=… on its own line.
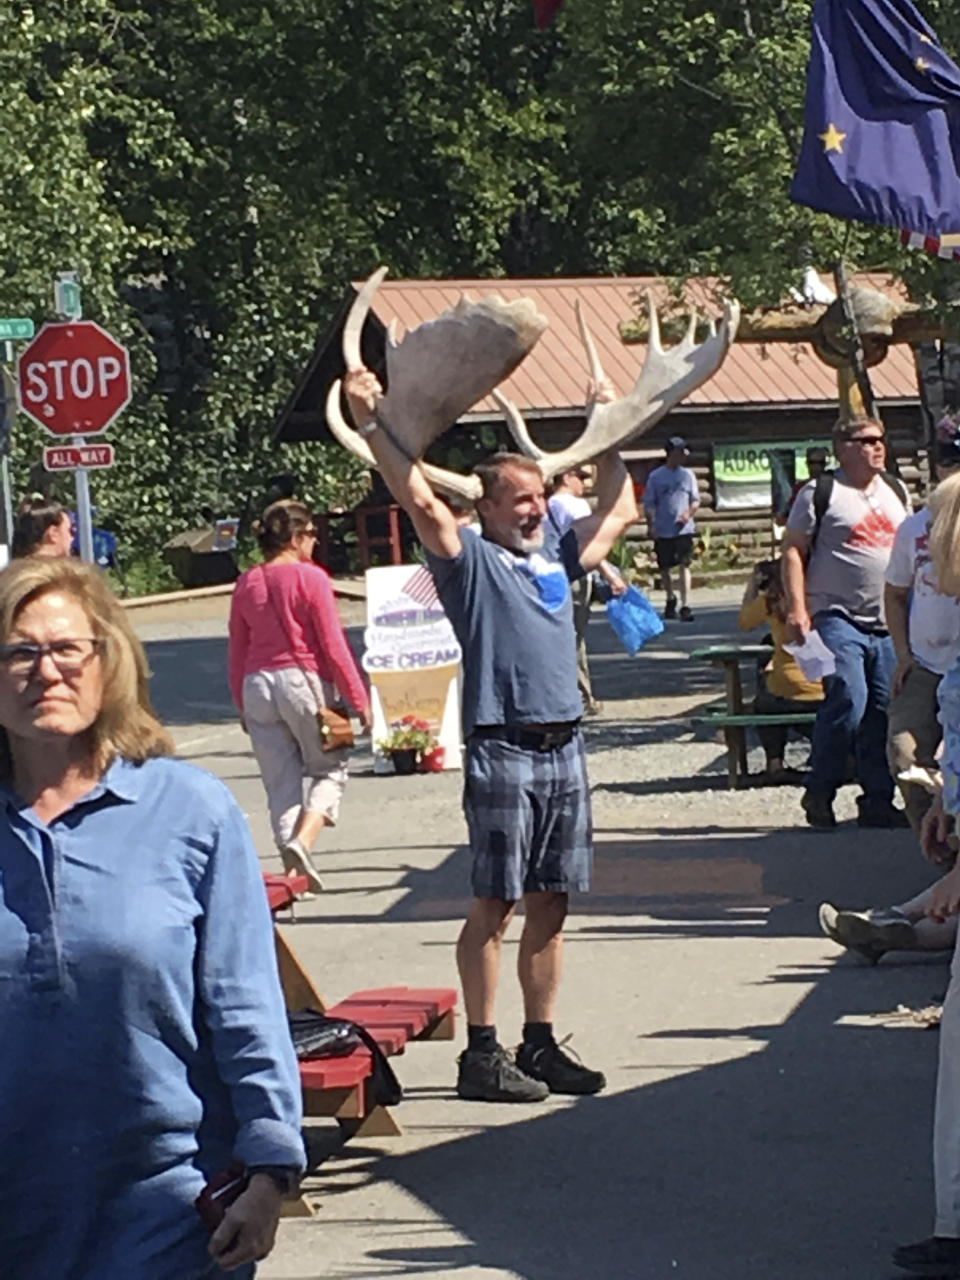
x=834, y=563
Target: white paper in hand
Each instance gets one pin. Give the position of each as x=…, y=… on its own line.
x=813, y=657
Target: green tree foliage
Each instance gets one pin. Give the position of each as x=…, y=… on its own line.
x=217, y=171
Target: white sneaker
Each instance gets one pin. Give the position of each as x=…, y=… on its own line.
x=297, y=862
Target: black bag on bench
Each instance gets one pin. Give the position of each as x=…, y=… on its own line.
x=315, y=1035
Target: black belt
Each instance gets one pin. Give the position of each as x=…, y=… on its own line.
x=544, y=737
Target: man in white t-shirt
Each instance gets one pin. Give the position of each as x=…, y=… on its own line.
x=925, y=629
x=566, y=505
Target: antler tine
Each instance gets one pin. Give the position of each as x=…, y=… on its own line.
x=667, y=378
x=516, y=425
x=452, y=482
x=346, y=435
x=392, y=332
x=356, y=317
x=446, y=481
x=593, y=360
x=690, y=338
x=653, y=325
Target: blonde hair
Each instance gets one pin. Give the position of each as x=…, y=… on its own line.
x=126, y=725
x=944, y=505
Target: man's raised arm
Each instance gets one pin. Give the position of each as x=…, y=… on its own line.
x=434, y=522
x=616, y=509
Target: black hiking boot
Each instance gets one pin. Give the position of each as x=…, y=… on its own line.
x=671, y=610
x=879, y=813
x=558, y=1071
x=819, y=811
x=495, y=1077
x=939, y=1256
x=686, y=614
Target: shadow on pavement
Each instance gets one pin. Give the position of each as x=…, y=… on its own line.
x=742, y=881
x=807, y=1159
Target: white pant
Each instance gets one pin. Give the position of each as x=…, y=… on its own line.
x=946, y=1124
x=280, y=708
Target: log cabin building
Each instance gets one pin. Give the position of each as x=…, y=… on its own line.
x=766, y=397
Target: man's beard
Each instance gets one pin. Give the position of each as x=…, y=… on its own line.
x=526, y=544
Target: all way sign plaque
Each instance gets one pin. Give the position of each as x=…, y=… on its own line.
x=68, y=457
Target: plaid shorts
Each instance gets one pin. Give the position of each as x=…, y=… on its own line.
x=528, y=813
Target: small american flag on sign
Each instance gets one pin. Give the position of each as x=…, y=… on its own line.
x=421, y=587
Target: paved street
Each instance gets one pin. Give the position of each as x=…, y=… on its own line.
x=768, y=1111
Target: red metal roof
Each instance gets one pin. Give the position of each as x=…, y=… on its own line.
x=552, y=378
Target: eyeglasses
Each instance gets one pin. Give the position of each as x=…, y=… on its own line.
x=69, y=656
x=867, y=441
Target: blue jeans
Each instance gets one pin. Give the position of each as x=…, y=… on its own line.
x=854, y=711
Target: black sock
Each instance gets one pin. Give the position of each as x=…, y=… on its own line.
x=538, y=1034
x=482, y=1039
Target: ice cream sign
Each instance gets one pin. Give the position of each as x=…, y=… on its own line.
x=407, y=629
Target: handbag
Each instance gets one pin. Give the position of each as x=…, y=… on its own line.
x=333, y=723
x=336, y=731
x=317, y=1036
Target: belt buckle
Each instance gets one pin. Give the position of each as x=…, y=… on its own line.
x=552, y=739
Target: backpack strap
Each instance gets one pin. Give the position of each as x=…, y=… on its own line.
x=897, y=485
x=823, y=489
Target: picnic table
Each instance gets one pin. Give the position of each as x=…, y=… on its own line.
x=734, y=720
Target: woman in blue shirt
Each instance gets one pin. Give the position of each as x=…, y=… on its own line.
x=145, y=1044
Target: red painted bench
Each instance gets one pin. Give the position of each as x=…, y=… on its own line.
x=340, y=1087
x=283, y=891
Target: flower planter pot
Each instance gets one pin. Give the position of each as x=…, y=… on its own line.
x=404, y=762
x=433, y=761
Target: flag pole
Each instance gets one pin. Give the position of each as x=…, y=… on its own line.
x=861, y=377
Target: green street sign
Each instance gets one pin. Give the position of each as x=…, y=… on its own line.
x=15, y=328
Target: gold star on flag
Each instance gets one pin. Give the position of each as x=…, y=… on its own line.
x=833, y=139
x=925, y=39
x=922, y=64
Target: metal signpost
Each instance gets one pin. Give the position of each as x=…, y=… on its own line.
x=74, y=380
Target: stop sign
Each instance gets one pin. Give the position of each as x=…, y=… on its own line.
x=74, y=378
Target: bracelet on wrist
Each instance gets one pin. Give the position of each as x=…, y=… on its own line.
x=368, y=429
x=286, y=1179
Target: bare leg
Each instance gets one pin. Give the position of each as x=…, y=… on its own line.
x=309, y=825
x=667, y=582
x=932, y=935
x=684, y=585
x=478, y=958
x=540, y=962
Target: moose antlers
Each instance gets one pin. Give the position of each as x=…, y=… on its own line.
x=441, y=369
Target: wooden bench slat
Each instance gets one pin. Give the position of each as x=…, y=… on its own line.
x=437, y=1000
x=336, y=1073
x=283, y=891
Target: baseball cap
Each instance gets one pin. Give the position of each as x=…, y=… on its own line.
x=676, y=442
x=948, y=440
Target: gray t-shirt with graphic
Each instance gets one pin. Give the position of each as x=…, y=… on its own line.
x=845, y=572
x=513, y=616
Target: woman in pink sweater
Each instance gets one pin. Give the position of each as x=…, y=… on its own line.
x=288, y=658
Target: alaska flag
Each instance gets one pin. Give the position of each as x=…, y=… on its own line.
x=881, y=139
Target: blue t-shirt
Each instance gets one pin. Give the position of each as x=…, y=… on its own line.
x=669, y=493
x=513, y=616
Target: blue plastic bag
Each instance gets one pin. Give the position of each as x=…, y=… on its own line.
x=634, y=619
